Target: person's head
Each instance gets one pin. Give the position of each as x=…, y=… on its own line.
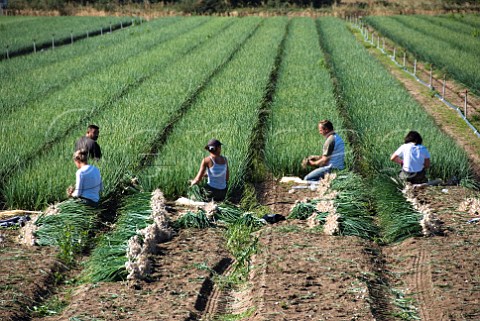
x=214, y=146
x=413, y=137
x=93, y=131
x=80, y=157
x=325, y=127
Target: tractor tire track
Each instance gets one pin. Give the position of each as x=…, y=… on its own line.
x=423, y=286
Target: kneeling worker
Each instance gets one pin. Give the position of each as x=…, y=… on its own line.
x=215, y=167
x=414, y=159
x=333, y=156
x=88, y=180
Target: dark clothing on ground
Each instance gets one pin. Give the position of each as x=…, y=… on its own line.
x=89, y=145
x=414, y=178
x=217, y=195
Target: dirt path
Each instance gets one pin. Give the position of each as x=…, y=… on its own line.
x=179, y=288
x=26, y=274
x=441, y=273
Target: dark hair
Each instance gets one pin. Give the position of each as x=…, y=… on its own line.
x=81, y=155
x=91, y=127
x=326, y=124
x=413, y=137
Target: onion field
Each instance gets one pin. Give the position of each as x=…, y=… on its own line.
x=160, y=90
x=447, y=43
x=21, y=32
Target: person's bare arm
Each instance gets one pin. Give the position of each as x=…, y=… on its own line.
x=426, y=163
x=322, y=161
x=201, y=173
x=396, y=159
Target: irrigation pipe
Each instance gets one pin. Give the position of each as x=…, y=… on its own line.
x=440, y=97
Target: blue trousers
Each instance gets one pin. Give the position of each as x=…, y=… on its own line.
x=318, y=173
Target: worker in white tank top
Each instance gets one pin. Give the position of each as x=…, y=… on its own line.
x=215, y=167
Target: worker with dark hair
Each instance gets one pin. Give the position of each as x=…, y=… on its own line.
x=215, y=167
x=88, y=183
x=333, y=156
x=414, y=159
x=89, y=143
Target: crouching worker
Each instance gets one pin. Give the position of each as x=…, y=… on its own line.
x=333, y=154
x=215, y=167
x=88, y=180
x=414, y=159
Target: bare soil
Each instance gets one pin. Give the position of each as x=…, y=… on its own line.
x=441, y=273
x=298, y=273
x=26, y=274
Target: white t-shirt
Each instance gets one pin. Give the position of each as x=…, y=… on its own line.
x=89, y=183
x=413, y=157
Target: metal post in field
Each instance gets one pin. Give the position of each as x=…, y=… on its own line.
x=88, y=34
x=101, y=31
x=415, y=67
x=121, y=25
x=110, y=27
x=133, y=22
x=383, y=43
x=378, y=42
x=444, y=85
x=466, y=102
x=8, y=55
x=34, y=46
x=404, y=59
x=53, y=41
x=71, y=37
x=394, y=53
x=366, y=34
x=431, y=77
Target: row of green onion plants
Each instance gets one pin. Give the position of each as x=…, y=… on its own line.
x=460, y=64
x=132, y=125
x=45, y=121
x=350, y=208
x=20, y=33
x=453, y=38
x=29, y=79
x=451, y=23
x=107, y=261
x=227, y=109
x=304, y=96
x=66, y=225
x=382, y=112
x=469, y=19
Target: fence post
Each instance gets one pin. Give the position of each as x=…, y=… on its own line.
x=378, y=42
x=383, y=43
x=71, y=37
x=431, y=77
x=53, y=41
x=415, y=67
x=101, y=31
x=466, y=101
x=121, y=25
x=366, y=34
x=404, y=59
x=110, y=27
x=394, y=53
x=88, y=34
x=34, y=46
x=8, y=55
x=444, y=85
